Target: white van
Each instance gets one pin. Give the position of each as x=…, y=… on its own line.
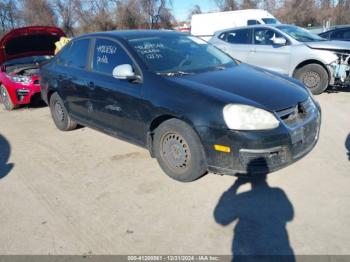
x=205, y=25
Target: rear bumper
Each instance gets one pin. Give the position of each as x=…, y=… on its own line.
x=259, y=151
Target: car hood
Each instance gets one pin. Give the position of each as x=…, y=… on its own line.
x=329, y=45
x=249, y=85
x=29, y=41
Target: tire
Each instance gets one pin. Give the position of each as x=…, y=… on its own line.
x=314, y=77
x=60, y=114
x=179, y=151
x=5, y=99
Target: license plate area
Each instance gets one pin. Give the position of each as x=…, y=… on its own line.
x=298, y=136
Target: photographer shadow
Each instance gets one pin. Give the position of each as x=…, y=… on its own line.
x=5, y=151
x=261, y=213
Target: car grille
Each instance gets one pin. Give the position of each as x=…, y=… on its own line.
x=297, y=115
x=308, y=135
x=304, y=120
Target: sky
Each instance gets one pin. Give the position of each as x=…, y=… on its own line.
x=181, y=8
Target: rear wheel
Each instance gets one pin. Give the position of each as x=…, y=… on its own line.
x=314, y=77
x=60, y=114
x=179, y=151
x=5, y=98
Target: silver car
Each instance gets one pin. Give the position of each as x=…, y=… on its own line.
x=290, y=50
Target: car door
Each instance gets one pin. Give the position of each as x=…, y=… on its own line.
x=266, y=54
x=117, y=105
x=72, y=75
x=236, y=43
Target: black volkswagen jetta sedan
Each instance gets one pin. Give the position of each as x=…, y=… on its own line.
x=196, y=109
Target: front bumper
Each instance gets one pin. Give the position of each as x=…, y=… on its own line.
x=259, y=151
x=24, y=95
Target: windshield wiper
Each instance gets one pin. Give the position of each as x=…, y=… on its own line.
x=175, y=73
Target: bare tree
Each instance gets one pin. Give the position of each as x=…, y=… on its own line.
x=227, y=5
x=96, y=15
x=299, y=12
x=67, y=14
x=81, y=16
x=341, y=12
x=8, y=16
x=247, y=4
x=196, y=9
x=130, y=15
x=270, y=5
x=325, y=4
x=166, y=18
x=157, y=12
x=38, y=12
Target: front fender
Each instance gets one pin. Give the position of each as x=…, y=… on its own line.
x=323, y=57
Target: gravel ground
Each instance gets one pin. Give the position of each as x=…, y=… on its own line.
x=83, y=192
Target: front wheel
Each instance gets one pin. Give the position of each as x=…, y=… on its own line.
x=179, y=151
x=314, y=77
x=60, y=114
x=5, y=98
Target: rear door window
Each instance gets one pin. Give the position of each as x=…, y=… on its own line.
x=242, y=36
x=78, y=53
x=63, y=56
x=107, y=55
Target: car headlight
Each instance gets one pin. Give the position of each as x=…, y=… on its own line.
x=21, y=79
x=244, y=117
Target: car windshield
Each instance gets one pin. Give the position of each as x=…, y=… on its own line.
x=300, y=34
x=28, y=60
x=270, y=21
x=180, y=54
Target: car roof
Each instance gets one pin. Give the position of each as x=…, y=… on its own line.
x=252, y=26
x=132, y=34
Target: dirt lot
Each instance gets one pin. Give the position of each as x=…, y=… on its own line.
x=83, y=192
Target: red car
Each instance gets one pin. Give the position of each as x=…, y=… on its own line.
x=22, y=51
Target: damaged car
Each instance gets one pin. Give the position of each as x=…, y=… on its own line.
x=22, y=51
x=195, y=108
x=317, y=62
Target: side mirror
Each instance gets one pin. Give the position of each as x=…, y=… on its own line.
x=279, y=41
x=125, y=72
